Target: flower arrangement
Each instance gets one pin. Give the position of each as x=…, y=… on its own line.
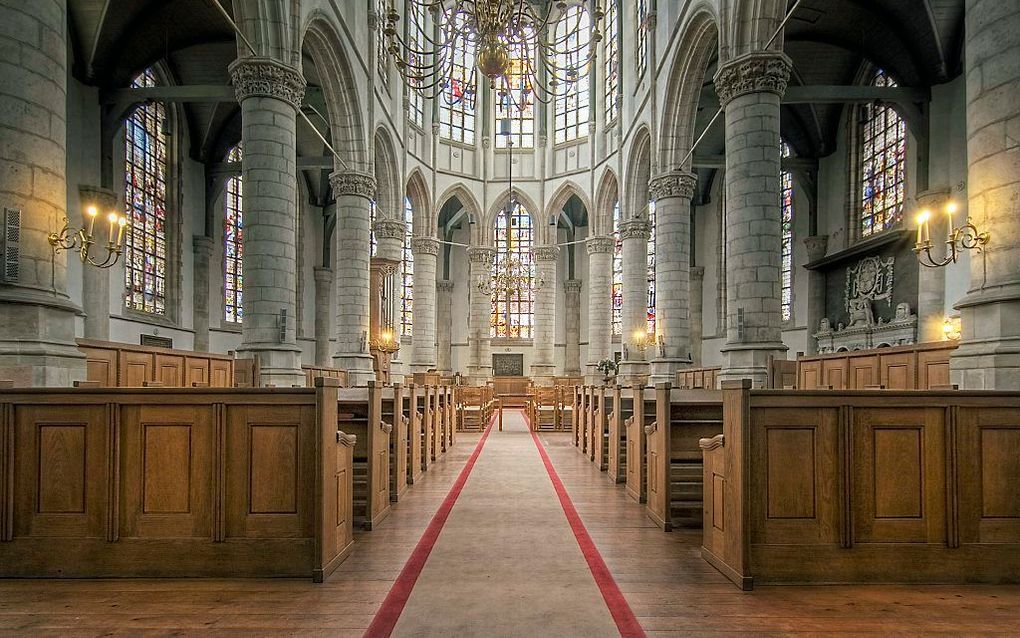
x=607, y=367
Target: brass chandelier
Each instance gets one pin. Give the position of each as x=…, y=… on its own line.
x=525, y=51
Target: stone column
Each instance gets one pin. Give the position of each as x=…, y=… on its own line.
x=697, y=313
x=634, y=234
x=37, y=345
x=96, y=281
x=353, y=191
x=269, y=92
x=423, y=332
x=444, y=326
x=750, y=88
x=989, y=354
x=325, y=312
x=389, y=235
x=572, y=312
x=816, y=249
x=600, y=300
x=931, y=282
x=543, y=367
x=672, y=194
x=480, y=259
x=203, y=247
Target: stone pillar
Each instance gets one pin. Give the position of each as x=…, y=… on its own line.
x=750, y=88
x=989, y=354
x=325, y=312
x=635, y=233
x=672, y=194
x=423, y=333
x=816, y=249
x=389, y=235
x=96, y=281
x=931, y=282
x=203, y=247
x=37, y=329
x=697, y=313
x=600, y=300
x=572, y=308
x=353, y=191
x=444, y=326
x=543, y=367
x=480, y=259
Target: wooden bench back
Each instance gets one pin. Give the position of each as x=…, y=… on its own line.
x=122, y=365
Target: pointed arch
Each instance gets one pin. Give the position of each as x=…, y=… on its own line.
x=750, y=25
x=559, y=199
x=698, y=47
x=470, y=204
x=489, y=220
x=417, y=189
x=389, y=199
x=606, y=197
x=639, y=163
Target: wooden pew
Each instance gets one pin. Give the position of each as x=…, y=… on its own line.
x=673, y=456
x=474, y=407
x=424, y=407
x=642, y=401
x=360, y=413
x=545, y=409
x=876, y=486
x=577, y=416
x=122, y=365
x=415, y=425
x=174, y=482
x=915, y=367
x=696, y=378
x=566, y=405
x=313, y=372
x=616, y=443
x=601, y=406
x=393, y=413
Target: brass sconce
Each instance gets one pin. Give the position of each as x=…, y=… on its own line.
x=966, y=237
x=83, y=239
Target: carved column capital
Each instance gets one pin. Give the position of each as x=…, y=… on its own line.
x=676, y=184
x=546, y=253
x=697, y=272
x=600, y=244
x=635, y=229
x=266, y=77
x=444, y=285
x=353, y=183
x=390, y=229
x=424, y=246
x=816, y=247
x=323, y=274
x=481, y=255
x=753, y=73
x=572, y=286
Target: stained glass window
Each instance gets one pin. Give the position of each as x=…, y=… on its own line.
x=786, y=202
x=372, y=243
x=513, y=311
x=883, y=163
x=407, y=273
x=457, y=99
x=515, y=101
x=641, y=43
x=651, y=269
x=233, y=245
x=382, y=58
x=416, y=39
x=617, y=290
x=571, y=41
x=611, y=62
x=145, y=198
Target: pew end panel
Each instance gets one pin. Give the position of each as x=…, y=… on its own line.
x=360, y=413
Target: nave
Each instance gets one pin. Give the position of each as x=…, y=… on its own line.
x=505, y=563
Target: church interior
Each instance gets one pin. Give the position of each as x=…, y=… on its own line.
x=509, y=317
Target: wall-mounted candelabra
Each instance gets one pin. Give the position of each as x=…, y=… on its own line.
x=386, y=342
x=83, y=239
x=958, y=239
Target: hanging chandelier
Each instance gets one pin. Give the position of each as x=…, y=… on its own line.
x=514, y=278
x=526, y=52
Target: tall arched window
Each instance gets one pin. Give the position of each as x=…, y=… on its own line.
x=382, y=58
x=572, y=36
x=883, y=153
x=145, y=265
x=786, y=202
x=611, y=61
x=373, y=245
x=407, y=273
x=457, y=99
x=651, y=268
x=416, y=39
x=641, y=43
x=515, y=101
x=617, y=290
x=233, y=245
x=513, y=311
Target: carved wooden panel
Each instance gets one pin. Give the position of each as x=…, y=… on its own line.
x=809, y=377
x=899, y=475
x=135, y=369
x=899, y=371
x=932, y=369
x=273, y=467
x=170, y=370
x=101, y=366
x=196, y=371
x=166, y=475
x=221, y=374
x=834, y=373
x=61, y=478
x=863, y=372
x=790, y=486
x=989, y=475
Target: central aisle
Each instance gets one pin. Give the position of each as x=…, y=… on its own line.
x=507, y=562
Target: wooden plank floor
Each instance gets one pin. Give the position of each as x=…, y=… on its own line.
x=671, y=590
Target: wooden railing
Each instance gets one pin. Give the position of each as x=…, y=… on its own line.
x=916, y=367
x=174, y=483
x=313, y=372
x=121, y=365
x=864, y=486
x=696, y=378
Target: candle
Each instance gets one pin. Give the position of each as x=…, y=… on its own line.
x=120, y=232
x=922, y=224
x=92, y=213
x=950, y=210
x=112, y=218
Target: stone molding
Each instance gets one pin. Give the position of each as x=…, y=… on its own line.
x=353, y=183
x=481, y=255
x=266, y=77
x=390, y=229
x=572, y=285
x=697, y=272
x=323, y=273
x=676, y=184
x=203, y=245
x=600, y=244
x=546, y=253
x=424, y=246
x=816, y=247
x=753, y=73
x=635, y=229
x=445, y=285
x=102, y=198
